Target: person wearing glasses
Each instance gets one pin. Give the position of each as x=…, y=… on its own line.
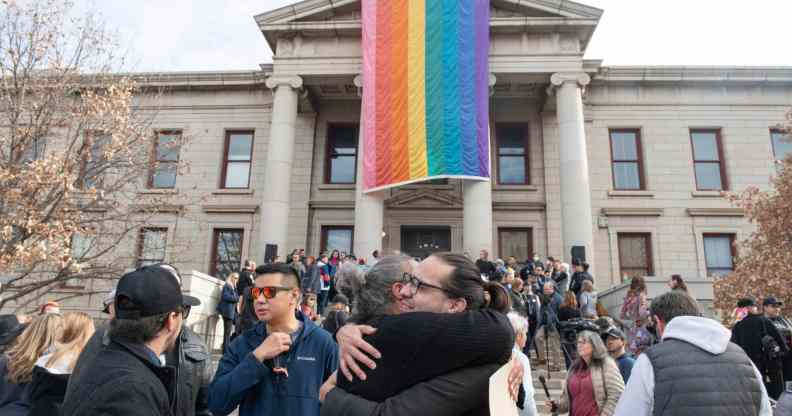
x=128, y=377
x=436, y=341
x=190, y=355
x=278, y=366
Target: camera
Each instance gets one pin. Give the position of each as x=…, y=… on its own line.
x=569, y=330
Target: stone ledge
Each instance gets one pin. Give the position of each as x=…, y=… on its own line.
x=229, y=209
x=233, y=191
x=630, y=194
x=707, y=194
x=331, y=204
x=153, y=191
x=520, y=188
x=632, y=212
x=518, y=206
x=716, y=212
x=337, y=187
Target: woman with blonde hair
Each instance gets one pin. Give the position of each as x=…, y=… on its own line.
x=16, y=366
x=51, y=374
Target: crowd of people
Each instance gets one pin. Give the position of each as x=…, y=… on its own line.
x=338, y=335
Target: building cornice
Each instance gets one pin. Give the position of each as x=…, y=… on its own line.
x=681, y=74
x=199, y=79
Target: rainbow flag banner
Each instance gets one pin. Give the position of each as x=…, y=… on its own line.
x=425, y=108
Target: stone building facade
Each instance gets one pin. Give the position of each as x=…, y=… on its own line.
x=628, y=162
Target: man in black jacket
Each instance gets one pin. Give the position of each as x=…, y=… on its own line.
x=750, y=334
x=581, y=274
x=193, y=372
x=772, y=310
x=128, y=377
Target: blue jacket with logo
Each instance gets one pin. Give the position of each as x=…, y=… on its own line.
x=241, y=380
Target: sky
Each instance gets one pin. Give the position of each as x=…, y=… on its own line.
x=206, y=35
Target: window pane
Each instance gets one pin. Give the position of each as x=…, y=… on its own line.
x=511, y=141
x=705, y=146
x=34, y=150
x=168, y=147
x=782, y=145
x=339, y=239
x=164, y=175
x=634, y=255
x=624, y=145
x=511, y=169
x=237, y=175
x=228, y=252
x=80, y=245
x=153, y=246
x=708, y=176
x=239, y=146
x=342, y=151
x=342, y=169
x=625, y=175
x=718, y=254
x=515, y=243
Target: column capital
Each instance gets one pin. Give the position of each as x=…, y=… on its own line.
x=581, y=79
x=275, y=81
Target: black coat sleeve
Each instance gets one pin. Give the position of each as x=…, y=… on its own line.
x=451, y=394
x=419, y=346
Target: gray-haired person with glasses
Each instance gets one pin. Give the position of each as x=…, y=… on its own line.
x=440, y=334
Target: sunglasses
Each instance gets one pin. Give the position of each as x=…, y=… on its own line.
x=268, y=292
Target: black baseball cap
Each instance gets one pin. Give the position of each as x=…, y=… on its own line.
x=150, y=291
x=615, y=333
x=771, y=300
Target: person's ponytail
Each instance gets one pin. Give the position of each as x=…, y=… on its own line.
x=497, y=297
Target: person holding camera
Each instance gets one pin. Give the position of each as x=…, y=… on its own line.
x=594, y=384
x=764, y=345
x=547, y=338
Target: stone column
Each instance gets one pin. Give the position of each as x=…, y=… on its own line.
x=369, y=208
x=477, y=209
x=275, y=201
x=477, y=217
x=577, y=221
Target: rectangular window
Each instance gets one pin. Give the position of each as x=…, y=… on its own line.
x=94, y=163
x=512, y=145
x=336, y=237
x=165, y=160
x=226, y=252
x=341, y=154
x=516, y=242
x=237, y=160
x=635, y=254
x=34, y=150
x=81, y=245
x=708, y=160
x=782, y=145
x=719, y=254
x=626, y=158
x=151, y=246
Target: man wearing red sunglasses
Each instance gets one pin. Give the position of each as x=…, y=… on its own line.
x=278, y=366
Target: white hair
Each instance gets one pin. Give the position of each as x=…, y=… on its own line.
x=518, y=322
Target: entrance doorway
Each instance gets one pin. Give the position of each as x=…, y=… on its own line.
x=420, y=241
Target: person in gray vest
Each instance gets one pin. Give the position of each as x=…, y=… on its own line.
x=695, y=367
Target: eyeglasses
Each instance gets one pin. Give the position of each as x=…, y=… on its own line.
x=415, y=283
x=268, y=292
